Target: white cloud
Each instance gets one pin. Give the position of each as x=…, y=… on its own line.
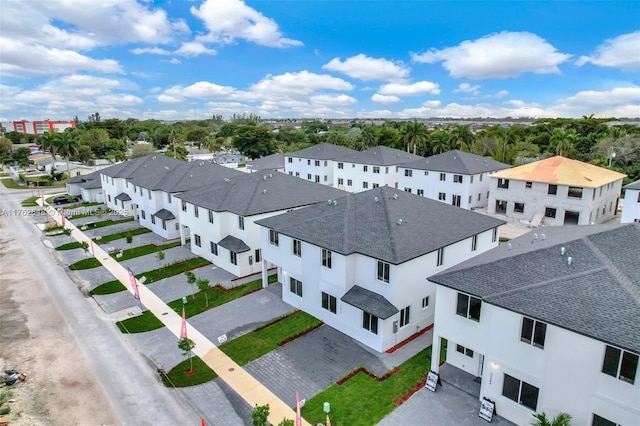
x=385, y=99
x=406, y=89
x=606, y=103
x=621, y=52
x=205, y=90
x=175, y=61
x=501, y=94
x=298, y=84
x=333, y=100
x=500, y=55
x=467, y=88
x=152, y=50
x=367, y=69
x=230, y=20
x=194, y=48
x=168, y=99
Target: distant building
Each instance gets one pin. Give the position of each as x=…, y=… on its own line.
x=315, y=163
x=270, y=162
x=38, y=127
x=631, y=208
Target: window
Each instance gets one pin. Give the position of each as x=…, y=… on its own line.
x=376, y=169
x=196, y=213
x=317, y=163
x=143, y=215
x=370, y=322
x=317, y=179
x=474, y=242
x=365, y=168
x=326, y=178
x=290, y=173
x=329, y=302
x=308, y=176
x=297, y=248
x=273, y=237
x=184, y=206
x=297, y=174
x=469, y=200
x=442, y=196
x=468, y=306
x=149, y=193
x=421, y=192
x=349, y=182
x=533, y=332
x=639, y=197
x=503, y=183
x=575, y=192
x=325, y=163
x=233, y=258
x=258, y=255
x=214, y=248
x=471, y=180
x=440, y=260
x=168, y=197
x=425, y=302
x=404, y=316
x=464, y=351
x=365, y=185
x=481, y=178
x=407, y=190
x=340, y=181
x=210, y=216
x=290, y=160
x=326, y=258
x=443, y=176
x=383, y=271
x=457, y=178
x=518, y=208
x=528, y=185
x=197, y=238
x=153, y=219
x=479, y=197
x=295, y=286
x=601, y=421
x=164, y=224
x=550, y=212
x=341, y=165
x=494, y=236
x=620, y=364
x=375, y=185
x=408, y=172
x=455, y=200
x=553, y=189
x=241, y=222
x=308, y=162
x=521, y=392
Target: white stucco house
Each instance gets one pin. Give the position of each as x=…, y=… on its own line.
x=220, y=217
x=315, y=163
x=454, y=177
x=89, y=187
x=631, y=207
x=556, y=191
x=270, y=162
x=359, y=262
x=548, y=323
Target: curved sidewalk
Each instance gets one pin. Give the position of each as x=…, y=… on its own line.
x=250, y=389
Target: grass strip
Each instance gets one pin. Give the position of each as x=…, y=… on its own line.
x=88, y=263
x=68, y=246
x=180, y=376
x=30, y=202
x=12, y=184
x=145, y=322
x=152, y=276
x=104, y=223
x=131, y=253
x=259, y=342
x=121, y=235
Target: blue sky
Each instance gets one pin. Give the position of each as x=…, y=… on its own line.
x=182, y=59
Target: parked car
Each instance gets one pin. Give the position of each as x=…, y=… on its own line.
x=64, y=199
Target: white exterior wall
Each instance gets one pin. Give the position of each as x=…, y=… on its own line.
x=567, y=371
x=94, y=195
x=407, y=285
x=111, y=187
x=590, y=207
x=150, y=202
x=302, y=167
x=356, y=174
x=631, y=208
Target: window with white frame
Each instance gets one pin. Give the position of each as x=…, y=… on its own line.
x=521, y=392
x=317, y=179
x=153, y=219
x=340, y=181
x=601, y=421
x=375, y=185
x=184, y=206
x=457, y=178
x=233, y=257
x=405, y=316
x=326, y=258
x=474, y=242
x=258, y=253
x=273, y=237
x=383, y=271
x=370, y=322
x=442, y=196
x=149, y=193
x=290, y=160
x=425, y=302
x=533, y=332
x=196, y=211
x=317, y=163
x=214, y=248
x=376, y=169
x=440, y=260
x=210, y=216
x=308, y=176
x=168, y=197
x=494, y=235
x=420, y=192
x=407, y=189
x=349, y=182
x=329, y=302
x=144, y=216
x=308, y=162
x=365, y=185
x=297, y=248
x=241, y=222
x=295, y=286
x=197, y=240
x=620, y=364
x=443, y=177
x=408, y=172
x=341, y=165
x=365, y=168
x=468, y=307
x=464, y=351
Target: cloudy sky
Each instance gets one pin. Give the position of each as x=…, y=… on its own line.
x=180, y=59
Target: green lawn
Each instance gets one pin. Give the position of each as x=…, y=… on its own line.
x=178, y=378
x=121, y=235
x=363, y=400
x=30, y=202
x=12, y=184
x=263, y=340
x=152, y=276
x=145, y=322
x=104, y=223
x=68, y=246
x=88, y=263
x=131, y=253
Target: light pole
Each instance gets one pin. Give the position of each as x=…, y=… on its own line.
x=327, y=409
x=612, y=156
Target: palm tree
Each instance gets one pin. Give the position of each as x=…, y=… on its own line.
x=369, y=136
x=439, y=141
x=414, y=134
x=66, y=146
x=461, y=137
x=563, y=140
x=562, y=419
x=48, y=142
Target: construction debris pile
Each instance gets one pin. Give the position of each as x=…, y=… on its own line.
x=12, y=377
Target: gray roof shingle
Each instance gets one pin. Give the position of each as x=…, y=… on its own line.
x=597, y=295
x=456, y=161
x=322, y=151
x=164, y=214
x=383, y=223
x=370, y=302
x=234, y=244
x=123, y=196
x=270, y=162
x=378, y=156
x=633, y=185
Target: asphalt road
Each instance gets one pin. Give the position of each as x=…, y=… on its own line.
x=127, y=379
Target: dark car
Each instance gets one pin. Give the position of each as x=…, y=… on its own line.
x=63, y=199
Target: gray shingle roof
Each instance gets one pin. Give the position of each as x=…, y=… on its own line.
x=234, y=244
x=322, y=151
x=456, y=161
x=91, y=184
x=164, y=214
x=270, y=162
x=260, y=192
x=378, y=156
x=123, y=196
x=383, y=223
x=598, y=295
x=142, y=166
x=633, y=185
x=370, y=302
x=88, y=181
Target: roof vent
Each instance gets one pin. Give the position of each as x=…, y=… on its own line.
x=543, y=237
x=191, y=176
x=562, y=251
x=227, y=180
x=509, y=246
x=264, y=177
x=328, y=201
x=535, y=237
x=270, y=175
x=399, y=222
x=153, y=158
x=395, y=196
x=569, y=260
x=166, y=167
x=335, y=202
x=264, y=191
x=376, y=199
x=201, y=163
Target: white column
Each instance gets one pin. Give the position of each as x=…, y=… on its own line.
x=435, y=352
x=265, y=275
x=182, y=239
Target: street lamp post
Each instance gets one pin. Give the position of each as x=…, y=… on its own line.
x=612, y=156
x=327, y=409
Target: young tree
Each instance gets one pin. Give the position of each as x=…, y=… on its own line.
x=260, y=414
x=562, y=419
x=67, y=232
x=85, y=247
x=191, y=279
x=203, y=285
x=160, y=258
x=186, y=345
x=129, y=239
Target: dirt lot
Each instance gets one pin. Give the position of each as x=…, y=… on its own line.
x=34, y=339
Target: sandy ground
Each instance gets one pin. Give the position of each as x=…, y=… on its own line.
x=35, y=340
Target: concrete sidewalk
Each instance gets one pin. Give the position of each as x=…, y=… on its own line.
x=252, y=391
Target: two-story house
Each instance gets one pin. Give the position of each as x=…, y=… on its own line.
x=454, y=177
x=315, y=163
x=220, y=218
x=363, y=170
x=270, y=162
x=549, y=323
x=557, y=191
x=89, y=187
x=631, y=207
x=358, y=262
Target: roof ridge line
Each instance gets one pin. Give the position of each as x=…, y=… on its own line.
x=389, y=225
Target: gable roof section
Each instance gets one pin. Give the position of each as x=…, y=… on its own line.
x=378, y=156
x=260, y=192
x=84, y=178
x=456, y=161
x=561, y=171
x=183, y=176
x=142, y=166
x=370, y=302
x=633, y=185
x=597, y=295
x=270, y=162
x=234, y=244
x=383, y=223
x=322, y=151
